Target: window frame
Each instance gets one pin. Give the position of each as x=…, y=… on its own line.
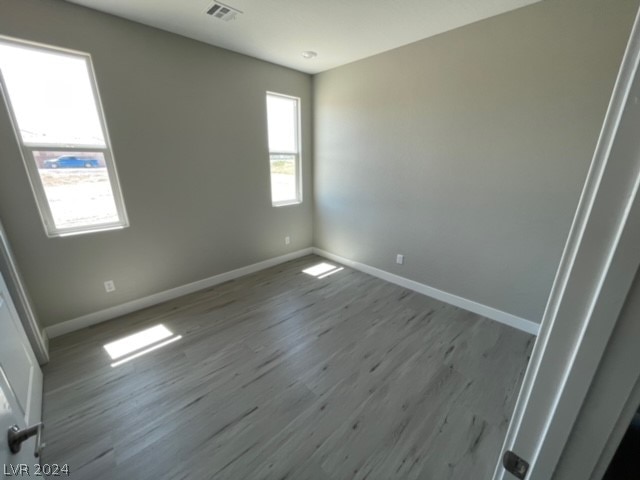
x=27, y=149
x=297, y=154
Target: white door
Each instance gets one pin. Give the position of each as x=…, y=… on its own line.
x=20, y=384
x=596, y=272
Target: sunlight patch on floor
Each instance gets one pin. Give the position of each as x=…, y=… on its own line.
x=140, y=343
x=322, y=270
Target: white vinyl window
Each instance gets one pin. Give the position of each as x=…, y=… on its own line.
x=52, y=98
x=283, y=122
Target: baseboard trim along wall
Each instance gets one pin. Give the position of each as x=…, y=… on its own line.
x=475, y=307
x=145, y=302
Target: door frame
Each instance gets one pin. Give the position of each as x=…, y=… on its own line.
x=612, y=400
x=22, y=302
x=610, y=444
x=596, y=271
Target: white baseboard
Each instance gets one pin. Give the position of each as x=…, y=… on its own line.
x=475, y=307
x=135, y=305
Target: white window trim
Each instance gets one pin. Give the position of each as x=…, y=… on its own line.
x=297, y=154
x=27, y=149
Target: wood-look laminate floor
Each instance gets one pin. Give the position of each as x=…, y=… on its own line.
x=282, y=375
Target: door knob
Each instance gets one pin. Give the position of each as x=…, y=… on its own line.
x=16, y=435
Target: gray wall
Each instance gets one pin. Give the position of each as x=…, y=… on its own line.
x=467, y=151
x=187, y=124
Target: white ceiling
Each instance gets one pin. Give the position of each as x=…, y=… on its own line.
x=340, y=31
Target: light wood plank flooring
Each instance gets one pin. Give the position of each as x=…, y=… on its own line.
x=281, y=375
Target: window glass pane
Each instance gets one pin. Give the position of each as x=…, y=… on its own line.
x=283, y=178
x=77, y=187
x=51, y=96
x=282, y=116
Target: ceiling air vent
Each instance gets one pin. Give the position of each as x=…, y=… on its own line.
x=222, y=11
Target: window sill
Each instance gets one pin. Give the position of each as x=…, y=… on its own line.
x=85, y=232
x=286, y=204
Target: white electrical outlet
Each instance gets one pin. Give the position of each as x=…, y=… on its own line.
x=400, y=259
x=109, y=286
x=287, y=240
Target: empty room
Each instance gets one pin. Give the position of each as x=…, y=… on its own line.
x=284, y=239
